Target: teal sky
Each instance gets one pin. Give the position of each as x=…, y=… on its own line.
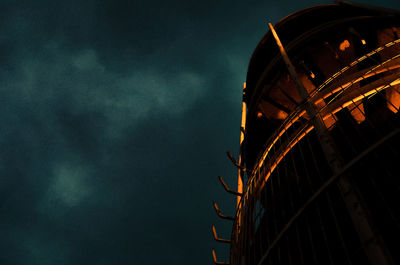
x=115, y=117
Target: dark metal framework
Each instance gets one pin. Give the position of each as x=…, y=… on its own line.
x=321, y=146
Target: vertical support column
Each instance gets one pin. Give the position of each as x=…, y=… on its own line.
x=242, y=131
x=373, y=246
x=240, y=189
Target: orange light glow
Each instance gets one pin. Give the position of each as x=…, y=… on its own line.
x=309, y=86
x=357, y=111
x=281, y=132
x=344, y=45
x=393, y=98
x=329, y=121
x=333, y=108
x=291, y=144
x=281, y=115
x=356, y=78
x=345, y=92
x=387, y=45
x=243, y=126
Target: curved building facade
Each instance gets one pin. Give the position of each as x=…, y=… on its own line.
x=321, y=151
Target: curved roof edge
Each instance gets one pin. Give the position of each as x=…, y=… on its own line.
x=293, y=25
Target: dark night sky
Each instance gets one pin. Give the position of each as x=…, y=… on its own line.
x=114, y=121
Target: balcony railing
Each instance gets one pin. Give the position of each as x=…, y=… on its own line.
x=292, y=159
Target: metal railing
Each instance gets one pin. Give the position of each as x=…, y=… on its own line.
x=264, y=193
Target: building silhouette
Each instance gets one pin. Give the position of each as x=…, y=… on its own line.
x=320, y=142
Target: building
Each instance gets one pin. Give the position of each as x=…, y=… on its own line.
x=320, y=145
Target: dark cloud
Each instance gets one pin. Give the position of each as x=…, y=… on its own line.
x=114, y=120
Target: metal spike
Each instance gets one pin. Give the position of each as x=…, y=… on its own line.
x=220, y=214
x=216, y=261
x=227, y=188
x=223, y=240
x=234, y=161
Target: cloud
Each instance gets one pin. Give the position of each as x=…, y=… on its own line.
x=87, y=60
x=148, y=92
x=69, y=185
x=81, y=81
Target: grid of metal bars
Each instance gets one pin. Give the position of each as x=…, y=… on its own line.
x=291, y=211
